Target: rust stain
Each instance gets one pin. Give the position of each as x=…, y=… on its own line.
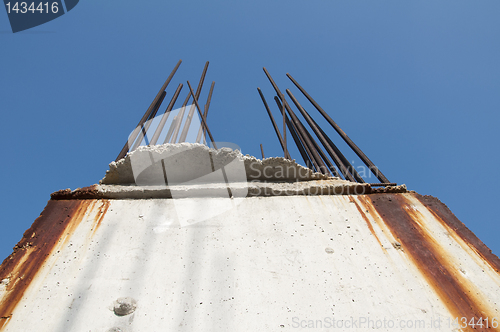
x=100, y=216
x=58, y=219
x=368, y=222
x=428, y=256
x=457, y=228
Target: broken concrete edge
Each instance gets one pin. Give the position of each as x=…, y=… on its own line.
x=192, y=160
x=246, y=189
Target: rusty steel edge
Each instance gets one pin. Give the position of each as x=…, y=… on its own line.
x=427, y=255
x=36, y=245
x=95, y=192
x=444, y=215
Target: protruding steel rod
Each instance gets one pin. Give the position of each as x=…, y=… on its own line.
x=262, y=151
x=343, y=159
x=324, y=163
x=307, y=142
x=327, y=161
x=201, y=116
x=344, y=136
x=212, y=139
x=275, y=126
x=190, y=115
x=201, y=131
x=282, y=97
x=144, y=132
x=299, y=141
x=164, y=118
x=146, y=115
x=176, y=120
x=329, y=149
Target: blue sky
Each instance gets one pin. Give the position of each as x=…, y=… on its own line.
x=416, y=84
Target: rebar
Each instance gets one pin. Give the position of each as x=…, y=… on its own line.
x=299, y=142
x=144, y=132
x=275, y=126
x=201, y=131
x=344, y=136
x=282, y=97
x=343, y=159
x=146, y=115
x=306, y=141
x=213, y=141
x=164, y=118
x=189, y=117
x=347, y=175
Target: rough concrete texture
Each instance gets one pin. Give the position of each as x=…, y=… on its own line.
x=187, y=162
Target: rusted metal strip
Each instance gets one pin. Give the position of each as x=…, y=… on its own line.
x=427, y=255
x=164, y=118
x=262, y=151
x=190, y=115
x=446, y=217
x=145, y=128
x=37, y=244
x=275, y=126
x=201, y=131
x=146, y=115
x=344, y=136
x=347, y=175
x=282, y=98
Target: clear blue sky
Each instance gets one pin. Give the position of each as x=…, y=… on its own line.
x=416, y=84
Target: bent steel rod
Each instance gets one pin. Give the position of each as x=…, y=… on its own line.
x=262, y=151
x=344, y=136
x=314, y=154
x=303, y=149
x=275, y=126
x=189, y=117
x=331, y=152
x=164, y=118
x=205, y=113
x=146, y=115
x=145, y=128
x=280, y=95
x=212, y=139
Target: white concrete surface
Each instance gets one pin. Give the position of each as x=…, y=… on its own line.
x=282, y=263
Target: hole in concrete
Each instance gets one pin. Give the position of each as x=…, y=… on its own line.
x=124, y=306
